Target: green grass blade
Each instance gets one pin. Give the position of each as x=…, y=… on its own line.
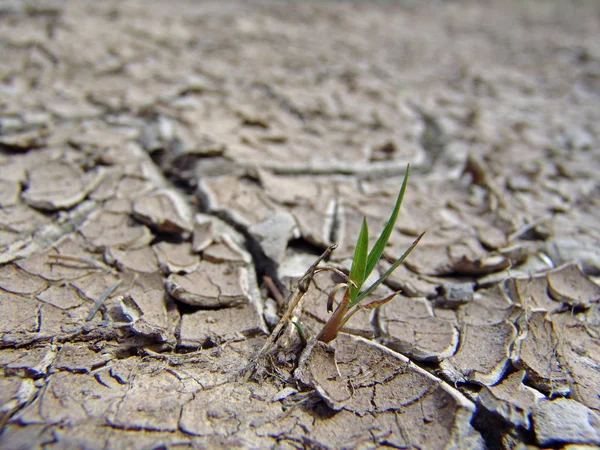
x=381, y=243
x=359, y=262
x=387, y=273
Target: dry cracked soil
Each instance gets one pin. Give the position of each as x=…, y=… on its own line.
x=169, y=171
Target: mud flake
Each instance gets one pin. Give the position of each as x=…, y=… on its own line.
x=349, y=430
x=470, y=258
x=138, y=260
x=108, y=185
x=23, y=219
x=9, y=193
x=240, y=198
x=570, y=285
x=405, y=388
x=32, y=362
x=210, y=286
x=18, y=228
x=131, y=187
x=225, y=250
x=292, y=191
x=54, y=321
x=429, y=259
x=411, y=284
x=25, y=140
x=78, y=358
x=92, y=286
x=203, y=233
x=14, y=393
x=106, y=229
x=153, y=401
x=216, y=326
x=80, y=436
x=175, y=258
x=73, y=108
x=49, y=268
x=15, y=280
x=440, y=419
x=482, y=356
x=536, y=353
x=57, y=185
x=72, y=399
x=578, y=354
x=231, y=411
x=454, y=295
x=18, y=315
x=151, y=312
x=412, y=329
x=511, y=399
x=273, y=235
x=63, y=297
x=315, y=220
x=532, y=293
x=488, y=307
x=491, y=237
x=165, y=211
x=407, y=406
x=578, y=248
x=565, y=421
x=318, y=369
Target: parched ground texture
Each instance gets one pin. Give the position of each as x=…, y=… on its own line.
x=167, y=167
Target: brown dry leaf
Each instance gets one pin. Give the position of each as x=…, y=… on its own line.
x=314, y=305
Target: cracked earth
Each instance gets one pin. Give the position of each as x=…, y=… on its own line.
x=168, y=171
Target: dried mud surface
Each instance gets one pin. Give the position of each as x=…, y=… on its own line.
x=167, y=167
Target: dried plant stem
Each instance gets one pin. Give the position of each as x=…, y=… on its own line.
x=72, y=258
x=275, y=293
x=292, y=301
x=102, y=299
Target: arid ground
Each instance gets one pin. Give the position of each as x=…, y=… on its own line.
x=169, y=171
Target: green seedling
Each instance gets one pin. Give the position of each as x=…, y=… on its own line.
x=363, y=264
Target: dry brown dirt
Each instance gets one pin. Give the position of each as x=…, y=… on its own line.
x=168, y=168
